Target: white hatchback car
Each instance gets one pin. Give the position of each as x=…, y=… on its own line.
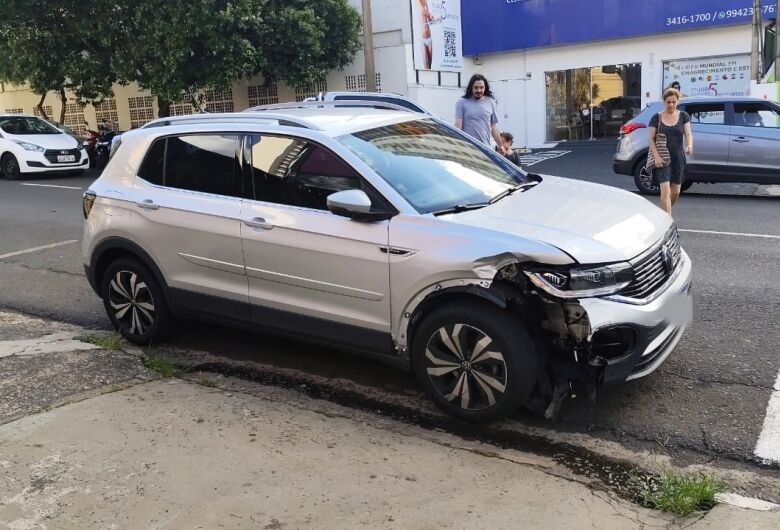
x=394, y=235
x=29, y=144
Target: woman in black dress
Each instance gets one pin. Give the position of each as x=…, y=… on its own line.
x=676, y=126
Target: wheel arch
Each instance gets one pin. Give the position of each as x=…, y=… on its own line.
x=477, y=291
x=113, y=248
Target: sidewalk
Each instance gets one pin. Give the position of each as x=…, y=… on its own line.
x=217, y=452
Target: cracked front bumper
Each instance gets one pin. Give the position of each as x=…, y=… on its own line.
x=658, y=326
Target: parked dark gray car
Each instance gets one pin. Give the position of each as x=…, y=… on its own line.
x=736, y=139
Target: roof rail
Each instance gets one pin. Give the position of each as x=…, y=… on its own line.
x=234, y=117
x=338, y=103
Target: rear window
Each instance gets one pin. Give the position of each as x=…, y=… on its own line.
x=205, y=163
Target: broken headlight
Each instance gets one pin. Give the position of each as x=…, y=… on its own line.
x=582, y=282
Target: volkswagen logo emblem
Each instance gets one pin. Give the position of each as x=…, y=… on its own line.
x=63, y=152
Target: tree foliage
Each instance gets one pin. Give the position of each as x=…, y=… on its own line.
x=174, y=49
x=52, y=45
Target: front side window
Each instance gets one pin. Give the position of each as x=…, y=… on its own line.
x=756, y=115
x=26, y=125
x=205, y=163
x=708, y=114
x=432, y=166
x=296, y=172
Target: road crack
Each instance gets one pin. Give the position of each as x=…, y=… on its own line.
x=719, y=382
x=43, y=269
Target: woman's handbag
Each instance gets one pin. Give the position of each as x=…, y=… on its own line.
x=663, y=151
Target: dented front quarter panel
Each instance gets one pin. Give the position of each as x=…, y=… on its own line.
x=460, y=255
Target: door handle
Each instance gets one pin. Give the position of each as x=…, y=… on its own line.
x=740, y=140
x=258, y=222
x=148, y=204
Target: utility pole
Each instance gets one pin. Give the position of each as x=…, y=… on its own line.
x=755, y=47
x=368, y=47
x=777, y=42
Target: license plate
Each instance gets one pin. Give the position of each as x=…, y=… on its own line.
x=66, y=158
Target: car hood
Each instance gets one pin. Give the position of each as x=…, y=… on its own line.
x=591, y=222
x=47, y=141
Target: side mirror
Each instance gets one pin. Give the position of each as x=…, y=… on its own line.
x=354, y=204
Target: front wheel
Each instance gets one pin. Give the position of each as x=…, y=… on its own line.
x=134, y=302
x=10, y=167
x=644, y=180
x=475, y=360
x=685, y=185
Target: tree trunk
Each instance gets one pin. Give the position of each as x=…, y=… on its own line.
x=163, y=107
x=39, y=106
x=64, y=100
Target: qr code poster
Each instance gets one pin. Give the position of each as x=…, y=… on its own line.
x=437, y=35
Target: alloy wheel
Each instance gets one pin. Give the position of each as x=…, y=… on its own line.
x=131, y=302
x=647, y=182
x=10, y=167
x=465, y=366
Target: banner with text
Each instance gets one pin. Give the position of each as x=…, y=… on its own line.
x=710, y=76
x=437, y=36
x=500, y=25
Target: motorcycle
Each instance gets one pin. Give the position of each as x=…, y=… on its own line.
x=103, y=146
x=90, y=143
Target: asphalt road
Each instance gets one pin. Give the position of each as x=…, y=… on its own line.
x=707, y=402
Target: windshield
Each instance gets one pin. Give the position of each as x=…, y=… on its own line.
x=432, y=166
x=26, y=125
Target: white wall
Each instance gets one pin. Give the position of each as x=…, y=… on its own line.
x=518, y=78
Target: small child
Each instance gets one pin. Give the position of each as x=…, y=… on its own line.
x=507, y=139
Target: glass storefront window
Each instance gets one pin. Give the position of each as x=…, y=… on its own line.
x=585, y=103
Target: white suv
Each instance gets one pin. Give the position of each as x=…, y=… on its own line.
x=29, y=144
x=391, y=234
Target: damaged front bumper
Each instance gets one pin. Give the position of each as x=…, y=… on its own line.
x=629, y=341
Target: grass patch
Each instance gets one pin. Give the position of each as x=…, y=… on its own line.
x=683, y=493
x=206, y=382
x=109, y=341
x=158, y=363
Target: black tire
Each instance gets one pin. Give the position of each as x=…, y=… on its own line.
x=644, y=181
x=10, y=167
x=134, y=302
x=685, y=186
x=446, y=370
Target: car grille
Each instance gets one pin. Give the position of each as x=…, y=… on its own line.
x=52, y=154
x=652, y=270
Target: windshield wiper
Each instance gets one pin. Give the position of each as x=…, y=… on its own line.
x=461, y=208
x=510, y=191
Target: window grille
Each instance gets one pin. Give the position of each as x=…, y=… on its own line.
x=106, y=110
x=263, y=95
x=311, y=91
x=181, y=108
x=141, y=110
x=46, y=108
x=15, y=111
x=74, y=117
x=357, y=83
x=219, y=100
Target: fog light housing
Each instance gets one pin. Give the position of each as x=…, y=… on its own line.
x=614, y=341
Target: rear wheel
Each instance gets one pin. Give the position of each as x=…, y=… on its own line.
x=475, y=360
x=10, y=167
x=134, y=302
x=685, y=185
x=644, y=181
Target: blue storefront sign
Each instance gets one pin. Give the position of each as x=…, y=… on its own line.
x=500, y=25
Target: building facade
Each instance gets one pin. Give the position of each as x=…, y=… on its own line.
x=561, y=70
